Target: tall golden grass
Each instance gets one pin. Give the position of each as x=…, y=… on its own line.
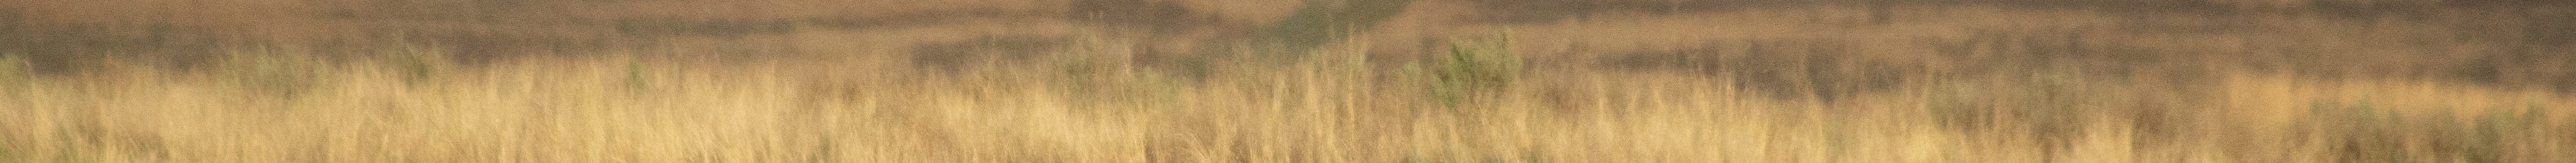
x=268, y=104
x=1778, y=84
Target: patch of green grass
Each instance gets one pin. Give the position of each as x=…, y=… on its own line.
x=69, y=156
x=1954, y=106
x=2487, y=138
x=418, y=64
x=1472, y=70
x=276, y=71
x=2370, y=136
x=5, y=153
x=635, y=78
x=13, y=70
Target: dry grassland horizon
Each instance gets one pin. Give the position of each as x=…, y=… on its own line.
x=1513, y=81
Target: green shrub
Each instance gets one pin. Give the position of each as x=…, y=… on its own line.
x=1471, y=71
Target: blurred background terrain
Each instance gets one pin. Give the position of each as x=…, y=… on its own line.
x=1287, y=81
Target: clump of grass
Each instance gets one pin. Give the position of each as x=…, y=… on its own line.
x=2367, y=139
x=277, y=71
x=1474, y=69
x=2489, y=142
x=635, y=78
x=418, y=64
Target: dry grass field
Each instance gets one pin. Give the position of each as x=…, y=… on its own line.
x=1960, y=81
